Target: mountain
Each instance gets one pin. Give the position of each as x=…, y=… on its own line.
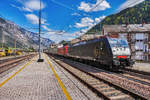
x=24, y=38
x=134, y=15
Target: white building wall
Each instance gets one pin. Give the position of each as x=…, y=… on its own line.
x=139, y=55
x=140, y=36
x=139, y=45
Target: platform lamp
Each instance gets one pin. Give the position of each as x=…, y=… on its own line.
x=40, y=60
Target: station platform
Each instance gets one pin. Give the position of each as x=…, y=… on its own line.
x=142, y=67
x=42, y=81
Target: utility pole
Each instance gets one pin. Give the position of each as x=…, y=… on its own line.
x=15, y=45
x=3, y=40
x=15, y=42
x=40, y=60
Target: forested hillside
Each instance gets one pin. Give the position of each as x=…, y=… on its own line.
x=134, y=15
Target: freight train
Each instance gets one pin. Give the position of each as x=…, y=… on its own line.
x=113, y=53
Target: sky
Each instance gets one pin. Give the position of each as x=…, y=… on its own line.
x=61, y=19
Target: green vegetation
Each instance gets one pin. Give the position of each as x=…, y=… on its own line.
x=135, y=15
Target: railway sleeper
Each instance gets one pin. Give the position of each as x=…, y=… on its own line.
x=103, y=86
x=112, y=92
x=121, y=97
x=94, y=83
x=107, y=89
x=124, y=95
x=115, y=94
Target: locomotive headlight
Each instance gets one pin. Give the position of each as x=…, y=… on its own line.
x=114, y=57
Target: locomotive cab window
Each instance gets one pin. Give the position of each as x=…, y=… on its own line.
x=119, y=46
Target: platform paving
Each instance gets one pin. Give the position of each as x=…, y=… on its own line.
x=38, y=82
x=142, y=67
x=80, y=92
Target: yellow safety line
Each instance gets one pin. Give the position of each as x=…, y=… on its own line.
x=1, y=84
x=59, y=81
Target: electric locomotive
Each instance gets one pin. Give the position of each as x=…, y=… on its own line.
x=114, y=53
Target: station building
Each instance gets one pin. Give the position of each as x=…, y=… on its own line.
x=138, y=36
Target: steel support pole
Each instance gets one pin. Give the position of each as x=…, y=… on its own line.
x=40, y=60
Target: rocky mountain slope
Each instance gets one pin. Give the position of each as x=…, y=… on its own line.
x=9, y=31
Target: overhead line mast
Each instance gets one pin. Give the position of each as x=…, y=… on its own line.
x=40, y=60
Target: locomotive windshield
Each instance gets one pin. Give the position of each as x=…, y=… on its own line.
x=119, y=46
x=118, y=42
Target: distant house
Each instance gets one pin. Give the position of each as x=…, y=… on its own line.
x=138, y=36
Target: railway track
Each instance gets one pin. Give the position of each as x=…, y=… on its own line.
x=102, y=86
x=7, y=64
x=138, y=76
x=141, y=74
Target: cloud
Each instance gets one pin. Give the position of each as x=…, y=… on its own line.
x=26, y=9
x=29, y=5
x=85, y=22
x=33, y=5
x=88, y=22
x=75, y=14
x=46, y=28
x=84, y=6
x=59, y=37
x=34, y=19
x=88, y=7
x=99, y=19
x=15, y=6
x=81, y=32
x=129, y=3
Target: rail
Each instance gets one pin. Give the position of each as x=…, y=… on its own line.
x=96, y=87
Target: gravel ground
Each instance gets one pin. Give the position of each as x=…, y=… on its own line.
x=76, y=89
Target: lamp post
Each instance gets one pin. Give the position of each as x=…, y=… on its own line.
x=40, y=60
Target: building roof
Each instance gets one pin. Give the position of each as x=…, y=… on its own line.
x=85, y=38
x=89, y=36
x=134, y=28
x=75, y=41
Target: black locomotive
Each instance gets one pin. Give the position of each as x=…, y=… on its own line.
x=112, y=52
